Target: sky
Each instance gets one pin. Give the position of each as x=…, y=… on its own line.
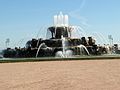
x=21, y=20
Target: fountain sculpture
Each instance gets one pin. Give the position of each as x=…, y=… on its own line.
x=62, y=42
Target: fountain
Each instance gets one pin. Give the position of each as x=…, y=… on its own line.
x=63, y=40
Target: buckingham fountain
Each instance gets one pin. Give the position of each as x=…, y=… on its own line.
x=63, y=40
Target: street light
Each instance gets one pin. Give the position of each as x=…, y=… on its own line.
x=7, y=42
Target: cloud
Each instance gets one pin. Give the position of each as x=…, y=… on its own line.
x=82, y=4
x=76, y=14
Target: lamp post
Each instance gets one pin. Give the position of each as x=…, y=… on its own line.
x=7, y=42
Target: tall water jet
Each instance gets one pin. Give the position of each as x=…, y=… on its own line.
x=55, y=20
x=61, y=20
x=66, y=20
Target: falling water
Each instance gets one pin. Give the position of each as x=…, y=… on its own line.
x=40, y=46
x=65, y=52
x=77, y=32
x=100, y=38
x=83, y=49
x=21, y=42
x=59, y=54
x=63, y=45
